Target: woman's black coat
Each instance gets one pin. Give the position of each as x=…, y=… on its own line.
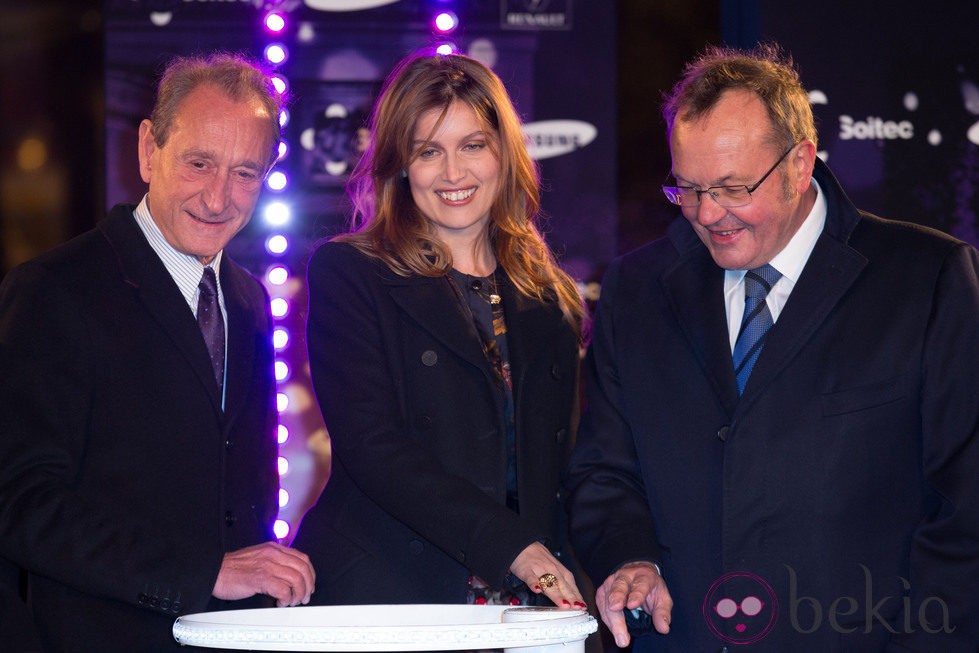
x=416, y=498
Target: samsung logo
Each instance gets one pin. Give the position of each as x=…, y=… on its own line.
x=346, y=5
x=549, y=138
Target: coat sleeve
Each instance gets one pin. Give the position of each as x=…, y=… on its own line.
x=48, y=394
x=945, y=546
x=609, y=518
x=354, y=351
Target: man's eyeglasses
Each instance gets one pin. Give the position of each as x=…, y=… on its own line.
x=727, y=196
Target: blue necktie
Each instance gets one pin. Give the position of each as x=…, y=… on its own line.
x=756, y=322
x=211, y=323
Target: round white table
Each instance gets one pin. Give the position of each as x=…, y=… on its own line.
x=390, y=628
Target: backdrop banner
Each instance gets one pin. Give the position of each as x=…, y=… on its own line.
x=895, y=91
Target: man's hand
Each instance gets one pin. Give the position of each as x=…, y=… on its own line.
x=634, y=585
x=269, y=568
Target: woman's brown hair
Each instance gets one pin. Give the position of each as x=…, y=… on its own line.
x=388, y=225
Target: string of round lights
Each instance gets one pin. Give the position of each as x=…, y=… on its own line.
x=277, y=215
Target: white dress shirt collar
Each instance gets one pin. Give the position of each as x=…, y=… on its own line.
x=186, y=270
x=790, y=262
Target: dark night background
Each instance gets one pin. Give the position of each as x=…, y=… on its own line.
x=52, y=133
x=52, y=86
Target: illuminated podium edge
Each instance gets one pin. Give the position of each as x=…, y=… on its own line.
x=384, y=628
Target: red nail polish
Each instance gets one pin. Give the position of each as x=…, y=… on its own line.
x=480, y=601
x=580, y=604
x=537, y=588
x=566, y=602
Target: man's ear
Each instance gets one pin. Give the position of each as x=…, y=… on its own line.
x=802, y=161
x=147, y=148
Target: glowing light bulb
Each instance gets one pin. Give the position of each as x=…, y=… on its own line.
x=276, y=53
x=277, y=244
x=281, y=529
x=279, y=307
x=280, y=338
x=275, y=22
x=277, y=180
x=277, y=214
x=446, y=21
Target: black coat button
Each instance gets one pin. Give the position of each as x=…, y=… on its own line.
x=556, y=371
x=416, y=547
x=423, y=422
x=561, y=435
x=723, y=432
x=429, y=358
x=229, y=518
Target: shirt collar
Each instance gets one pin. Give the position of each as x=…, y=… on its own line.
x=793, y=257
x=186, y=270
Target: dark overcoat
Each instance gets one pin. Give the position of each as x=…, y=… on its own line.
x=416, y=501
x=122, y=481
x=845, y=477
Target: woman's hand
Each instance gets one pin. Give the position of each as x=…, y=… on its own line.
x=545, y=575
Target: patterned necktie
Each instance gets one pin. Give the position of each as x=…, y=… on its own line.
x=756, y=322
x=211, y=323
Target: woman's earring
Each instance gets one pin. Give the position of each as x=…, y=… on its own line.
x=404, y=173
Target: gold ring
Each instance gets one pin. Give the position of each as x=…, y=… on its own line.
x=547, y=581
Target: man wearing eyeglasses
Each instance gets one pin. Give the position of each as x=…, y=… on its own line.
x=783, y=391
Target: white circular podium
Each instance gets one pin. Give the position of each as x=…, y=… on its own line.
x=389, y=628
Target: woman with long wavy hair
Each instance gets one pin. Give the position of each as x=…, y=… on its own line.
x=443, y=342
